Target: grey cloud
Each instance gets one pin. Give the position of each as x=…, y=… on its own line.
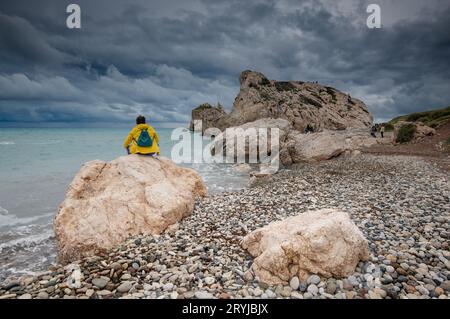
x=165, y=57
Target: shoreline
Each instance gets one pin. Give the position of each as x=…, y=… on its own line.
x=400, y=203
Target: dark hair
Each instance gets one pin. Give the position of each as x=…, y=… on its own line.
x=140, y=120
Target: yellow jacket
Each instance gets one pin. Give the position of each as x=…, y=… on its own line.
x=133, y=136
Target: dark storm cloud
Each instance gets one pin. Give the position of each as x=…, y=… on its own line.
x=165, y=57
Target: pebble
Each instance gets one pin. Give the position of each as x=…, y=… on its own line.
x=303, y=286
x=90, y=292
x=446, y=285
x=124, y=287
x=167, y=287
x=313, y=279
x=42, y=295
x=296, y=295
x=203, y=295
x=270, y=294
x=286, y=292
x=116, y=266
x=331, y=287
x=312, y=289
x=439, y=291
x=11, y=284
x=248, y=276
x=390, y=269
x=100, y=282
x=104, y=293
x=257, y=292
x=294, y=283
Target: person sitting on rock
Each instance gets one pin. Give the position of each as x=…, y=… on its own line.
x=142, y=139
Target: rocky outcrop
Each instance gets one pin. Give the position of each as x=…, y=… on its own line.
x=421, y=130
x=294, y=146
x=208, y=115
x=323, y=145
x=246, y=138
x=324, y=242
x=301, y=103
x=108, y=202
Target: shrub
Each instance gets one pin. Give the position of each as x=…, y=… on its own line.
x=204, y=106
x=284, y=86
x=308, y=100
x=434, y=118
x=332, y=92
x=264, y=81
x=406, y=133
x=388, y=127
x=448, y=140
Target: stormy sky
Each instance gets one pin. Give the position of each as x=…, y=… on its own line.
x=163, y=58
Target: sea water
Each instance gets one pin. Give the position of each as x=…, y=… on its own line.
x=36, y=167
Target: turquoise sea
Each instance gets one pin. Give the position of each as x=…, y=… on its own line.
x=37, y=165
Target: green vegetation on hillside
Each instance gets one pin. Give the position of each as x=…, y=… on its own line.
x=284, y=86
x=332, y=92
x=203, y=106
x=388, y=126
x=434, y=118
x=264, y=81
x=406, y=133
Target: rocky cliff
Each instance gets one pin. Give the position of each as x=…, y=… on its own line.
x=301, y=103
x=208, y=114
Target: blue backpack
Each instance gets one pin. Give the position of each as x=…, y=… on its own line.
x=144, y=139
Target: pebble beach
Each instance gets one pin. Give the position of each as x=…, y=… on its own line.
x=400, y=203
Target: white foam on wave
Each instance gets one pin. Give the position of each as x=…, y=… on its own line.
x=28, y=241
x=7, y=219
x=6, y=143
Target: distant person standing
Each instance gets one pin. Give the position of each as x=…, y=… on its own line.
x=382, y=128
x=373, y=131
x=142, y=139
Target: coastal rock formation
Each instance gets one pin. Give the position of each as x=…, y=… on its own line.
x=323, y=145
x=294, y=146
x=209, y=115
x=324, y=242
x=108, y=202
x=245, y=138
x=301, y=103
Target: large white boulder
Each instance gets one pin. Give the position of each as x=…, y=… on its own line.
x=323, y=145
x=324, y=242
x=108, y=202
x=251, y=138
